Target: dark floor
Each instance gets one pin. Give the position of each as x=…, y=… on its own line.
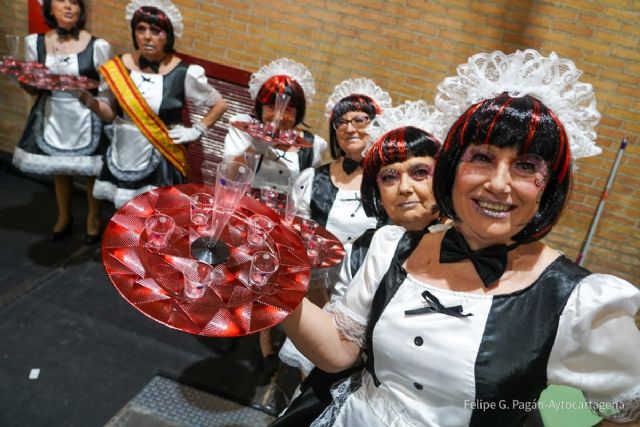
x=59, y=313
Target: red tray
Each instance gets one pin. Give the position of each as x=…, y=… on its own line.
x=58, y=82
x=16, y=67
x=333, y=251
x=151, y=281
x=251, y=129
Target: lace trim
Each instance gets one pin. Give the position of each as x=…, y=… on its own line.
x=340, y=393
x=625, y=409
x=290, y=355
x=350, y=325
x=56, y=165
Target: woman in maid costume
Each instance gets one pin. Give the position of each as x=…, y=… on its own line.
x=148, y=90
x=62, y=137
x=396, y=189
x=276, y=164
x=459, y=325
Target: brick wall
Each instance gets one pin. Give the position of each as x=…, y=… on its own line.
x=408, y=46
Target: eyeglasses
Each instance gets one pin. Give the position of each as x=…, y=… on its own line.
x=417, y=172
x=358, y=122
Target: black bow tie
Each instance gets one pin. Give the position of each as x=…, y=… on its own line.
x=145, y=63
x=349, y=165
x=74, y=32
x=489, y=263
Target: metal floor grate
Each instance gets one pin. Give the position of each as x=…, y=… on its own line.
x=166, y=403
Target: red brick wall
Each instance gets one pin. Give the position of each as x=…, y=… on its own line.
x=408, y=46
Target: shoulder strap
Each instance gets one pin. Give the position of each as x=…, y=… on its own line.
x=323, y=194
x=41, y=48
x=359, y=249
x=387, y=288
x=305, y=155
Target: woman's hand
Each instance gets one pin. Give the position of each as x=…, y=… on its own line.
x=182, y=135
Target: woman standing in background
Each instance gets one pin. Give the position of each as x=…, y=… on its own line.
x=277, y=164
x=62, y=136
x=148, y=90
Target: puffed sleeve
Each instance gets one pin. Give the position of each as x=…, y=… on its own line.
x=30, y=47
x=302, y=189
x=319, y=150
x=198, y=89
x=597, y=348
x=351, y=313
x=101, y=52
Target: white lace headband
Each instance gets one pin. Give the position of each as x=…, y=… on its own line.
x=418, y=114
x=552, y=80
x=166, y=6
x=359, y=86
x=283, y=67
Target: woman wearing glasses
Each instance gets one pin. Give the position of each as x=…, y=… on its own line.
x=330, y=194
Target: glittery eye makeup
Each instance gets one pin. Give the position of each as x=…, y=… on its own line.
x=417, y=172
x=523, y=167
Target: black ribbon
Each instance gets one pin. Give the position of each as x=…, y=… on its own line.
x=145, y=63
x=489, y=262
x=435, y=306
x=349, y=166
x=62, y=32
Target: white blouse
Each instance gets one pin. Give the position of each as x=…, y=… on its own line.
x=595, y=350
x=277, y=165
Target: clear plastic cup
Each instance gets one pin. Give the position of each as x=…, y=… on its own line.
x=198, y=276
x=315, y=245
x=201, y=208
x=263, y=265
x=159, y=228
x=259, y=227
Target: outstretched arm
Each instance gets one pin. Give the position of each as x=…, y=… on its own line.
x=314, y=333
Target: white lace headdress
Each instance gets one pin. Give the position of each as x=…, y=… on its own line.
x=166, y=6
x=552, y=80
x=418, y=114
x=283, y=67
x=359, y=86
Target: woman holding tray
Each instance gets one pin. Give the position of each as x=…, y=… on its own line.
x=467, y=327
x=148, y=90
x=277, y=163
x=62, y=136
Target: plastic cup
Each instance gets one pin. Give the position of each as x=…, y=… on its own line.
x=159, y=228
x=259, y=227
x=197, y=276
x=308, y=228
x=263, y=265
x=315, y=245
x=201, y=208
x=269, y=197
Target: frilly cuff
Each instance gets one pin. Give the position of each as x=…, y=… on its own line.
x=622, y=410
x=291, y=356
x=350, y=325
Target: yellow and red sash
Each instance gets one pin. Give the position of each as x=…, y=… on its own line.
x=136, y=107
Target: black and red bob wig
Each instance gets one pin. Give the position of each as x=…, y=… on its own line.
x=525, y=124
x=281, y=84
x=155, y=17
x=395, y=146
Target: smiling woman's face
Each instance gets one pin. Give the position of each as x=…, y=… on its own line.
x=351, y=133
x=405, y=192
x=496, y=193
